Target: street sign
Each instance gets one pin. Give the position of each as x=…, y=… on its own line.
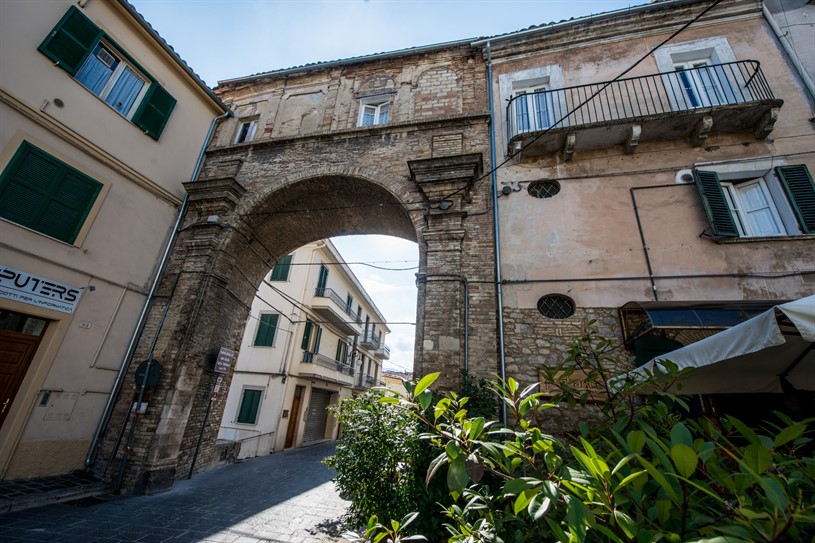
x=224, y=360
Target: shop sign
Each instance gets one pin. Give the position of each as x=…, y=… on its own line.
x=27, y=288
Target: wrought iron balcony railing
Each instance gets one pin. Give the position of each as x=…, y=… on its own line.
x=638, y=97
x=337, y=299
x=372, y=340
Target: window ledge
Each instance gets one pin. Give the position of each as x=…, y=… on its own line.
x=751, y=239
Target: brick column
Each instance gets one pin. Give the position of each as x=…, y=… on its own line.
x=440, y=329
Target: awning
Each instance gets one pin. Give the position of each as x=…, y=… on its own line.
x=753, y=356
x=641, y=318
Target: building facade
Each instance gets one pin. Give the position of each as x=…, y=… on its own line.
x=683, y=187
x=313, y=337
x=100, y=124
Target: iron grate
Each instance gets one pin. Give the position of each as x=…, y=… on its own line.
x=543, y=189
x=556, y=306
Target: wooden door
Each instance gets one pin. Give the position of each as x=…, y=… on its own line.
x=16, y=352
x=294, y=414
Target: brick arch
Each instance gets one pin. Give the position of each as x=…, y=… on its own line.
x=255, y=203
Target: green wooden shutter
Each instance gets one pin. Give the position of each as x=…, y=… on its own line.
x=266, y=330
x=718, y=212
x=280, y=272
x=317, y=338
x=306, y=335
x=154, y=110
x=800, y=189
x=249, y=406
x=40, y=192
x=71, y=41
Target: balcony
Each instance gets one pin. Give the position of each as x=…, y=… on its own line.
x=691, y=103
x=371, y=340
x=383, y=353
x=317, y=359
x=336, y=312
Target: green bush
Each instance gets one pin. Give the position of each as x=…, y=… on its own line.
x=639, y=473
x=381, y=461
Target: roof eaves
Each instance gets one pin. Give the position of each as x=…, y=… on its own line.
x=566, y=23
x=349, y=60
x=166, y=46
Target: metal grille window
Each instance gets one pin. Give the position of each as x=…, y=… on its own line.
x=543, y=189
x=556, y=306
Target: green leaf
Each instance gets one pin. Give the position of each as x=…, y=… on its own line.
x=681, y=434
x=424, y=399
x=425, y=382
x=457, y=477
x=685, y=459
x=660, y=479
x=523, y=499
x=629, y=479
x=626, y=523
x=452, y=449
x=388, y=399
x=789, y=433
x=636, y=441
x=515, y=486
x=775, y=493
x=475, y=469
x=757, y=457
x=434, y=467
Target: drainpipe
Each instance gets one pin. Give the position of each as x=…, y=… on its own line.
x=782, y=38
x=131, y=347
x=498, y=279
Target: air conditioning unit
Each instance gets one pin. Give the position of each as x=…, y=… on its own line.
x=683, y=177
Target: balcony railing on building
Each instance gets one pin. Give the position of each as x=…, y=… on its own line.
x=371, y=340
x=327, y=362
x=336, y=311
x=727, y=97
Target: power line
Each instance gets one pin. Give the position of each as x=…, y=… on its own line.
x=586, y=101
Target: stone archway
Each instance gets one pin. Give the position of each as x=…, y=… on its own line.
x=253, y=205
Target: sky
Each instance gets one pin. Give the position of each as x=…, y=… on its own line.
x=222, y=40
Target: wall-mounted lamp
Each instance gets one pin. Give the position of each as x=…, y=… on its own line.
x=444, y=205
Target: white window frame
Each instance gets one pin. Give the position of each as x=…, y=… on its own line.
x=549, y=77
x=761, y=171
x=251, y=127
x=377, y=104
x=735, y=200
x=120, y=68
x=695, y=54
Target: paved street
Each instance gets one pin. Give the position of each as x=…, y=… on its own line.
x=285, y=497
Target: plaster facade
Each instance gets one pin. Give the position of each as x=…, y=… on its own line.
x=57, y=394
x=327, y=341
x=627, y=222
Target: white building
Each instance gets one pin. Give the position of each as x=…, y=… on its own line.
x=314, y=336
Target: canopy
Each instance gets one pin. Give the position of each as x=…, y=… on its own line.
x=753, y=356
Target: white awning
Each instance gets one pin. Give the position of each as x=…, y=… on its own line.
x=750, y=357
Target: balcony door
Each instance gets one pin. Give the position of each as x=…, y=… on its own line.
x=322, y=280
x=533, y=109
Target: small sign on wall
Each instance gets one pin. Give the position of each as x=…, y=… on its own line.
x=224, y=360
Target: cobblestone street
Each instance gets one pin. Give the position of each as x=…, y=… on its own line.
x=284, y=497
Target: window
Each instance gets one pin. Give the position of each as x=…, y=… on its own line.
x=349, y=304
x=781, y=202
x=322, y=280
x=342, y=352
x=311, y=330
x=373, y=113
x=699, y=74
x=83, y=50
x=267, y=326
x=41, y=192
x=533, y=109
x=250, y=402
x=112, y=80
x=246, y=131
x=556, y=306
x=543, y=189
x=280, y=272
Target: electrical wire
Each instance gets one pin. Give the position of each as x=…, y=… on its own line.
x=584, y=102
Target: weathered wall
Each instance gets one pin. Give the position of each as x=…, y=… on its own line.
x=310, y=174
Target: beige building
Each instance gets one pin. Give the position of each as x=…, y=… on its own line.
x=313, y=337
x=100, y=124
x=667, y=204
